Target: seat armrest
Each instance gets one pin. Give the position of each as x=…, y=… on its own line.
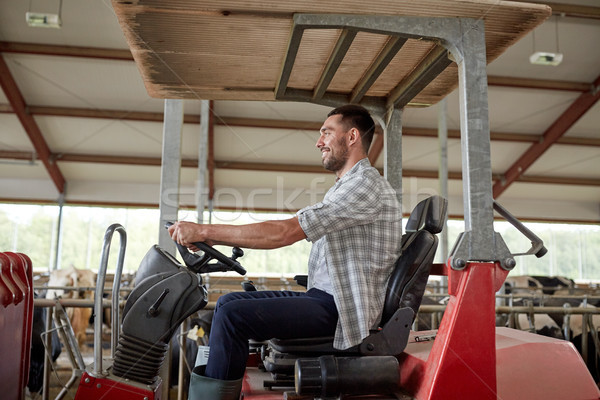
x=248, y=286
x=301, y=280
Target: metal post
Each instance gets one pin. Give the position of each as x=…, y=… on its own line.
x=47, y=359
x=443, y=169
x=57, y=250
x=443, y=179
x=392, y=151
x=169, y=196
x=171, y=166
x=479, y=241
x=584, y=337
x=567, y=322
x=181, y=390
x=475, y=135
x=202, y=158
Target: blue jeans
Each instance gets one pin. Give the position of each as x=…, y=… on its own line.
x=263, y=315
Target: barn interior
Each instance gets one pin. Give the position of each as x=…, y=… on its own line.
x=141, y=112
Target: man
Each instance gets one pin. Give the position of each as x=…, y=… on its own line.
x=355, y=231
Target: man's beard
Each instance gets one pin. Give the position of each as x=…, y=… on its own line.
x=335, y=163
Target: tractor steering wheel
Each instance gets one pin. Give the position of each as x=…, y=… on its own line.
x=200, y=264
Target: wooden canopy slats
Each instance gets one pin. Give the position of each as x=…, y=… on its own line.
x=399, y=68
x=234, y=50
x=426, y=71
x=290, y=58
x=284, y=9
x=384, y=57
x=360, y=56
x=335, y=59
x=313, y=52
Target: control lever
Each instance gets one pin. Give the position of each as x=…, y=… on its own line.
x=153, y=310
x=200, y=264
x=236, y=252
x=537, y=244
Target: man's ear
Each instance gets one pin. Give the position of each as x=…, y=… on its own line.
x=354, y=136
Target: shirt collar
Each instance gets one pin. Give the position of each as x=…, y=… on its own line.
x=361, y=164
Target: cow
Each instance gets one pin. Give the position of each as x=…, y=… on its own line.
x=81, y=278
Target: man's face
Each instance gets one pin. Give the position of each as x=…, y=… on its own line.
x=333, y=144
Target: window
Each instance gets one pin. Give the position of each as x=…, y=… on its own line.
x=574, y=250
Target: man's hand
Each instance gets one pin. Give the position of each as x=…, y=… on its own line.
x=187, y=233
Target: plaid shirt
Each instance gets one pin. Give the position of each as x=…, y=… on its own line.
x=357, y=228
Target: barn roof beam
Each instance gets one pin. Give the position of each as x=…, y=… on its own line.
x=551, y=136
x=541, y=84
x=19, y=107
x=66, y=51
x=277, y=124
x=376, y=149
x=272, y=167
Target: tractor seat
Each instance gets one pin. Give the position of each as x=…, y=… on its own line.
x=404, y=293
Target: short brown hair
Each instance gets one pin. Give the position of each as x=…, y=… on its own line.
x=355, y=116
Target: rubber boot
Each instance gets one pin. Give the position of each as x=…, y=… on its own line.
x=205, y=388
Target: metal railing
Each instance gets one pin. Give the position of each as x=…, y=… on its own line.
x=97, y=368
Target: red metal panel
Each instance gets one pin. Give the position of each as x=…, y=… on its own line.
x=22, y=274
x=28, y=316
x=9, y=290
x=528, y=366
x=6, y=295
x=10, y=331
x=538, y=367
x=92, y=388
x=15, y=325
x=471, y=359
x=17, y=277
x=252, y=385
x=462, y=362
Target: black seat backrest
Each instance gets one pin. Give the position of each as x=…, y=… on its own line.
x=408, y=280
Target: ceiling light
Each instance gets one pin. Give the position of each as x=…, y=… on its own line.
x=42, y=20
x=544, y=58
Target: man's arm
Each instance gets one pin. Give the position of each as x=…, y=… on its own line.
x=263, y=235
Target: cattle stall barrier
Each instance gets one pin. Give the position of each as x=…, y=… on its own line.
x=530, y=310
x=53, y=307
x=435, y=310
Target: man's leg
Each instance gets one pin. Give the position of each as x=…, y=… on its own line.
x=264, y=315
